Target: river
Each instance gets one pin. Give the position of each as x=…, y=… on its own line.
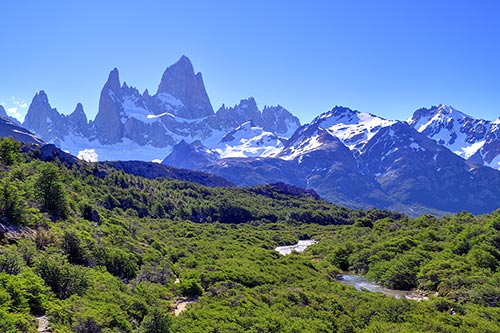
x=299, y=247
x=361, y=283
x=357, y=281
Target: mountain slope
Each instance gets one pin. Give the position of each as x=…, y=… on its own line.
x=10, y=129
x=468, y=137
x=416, y=170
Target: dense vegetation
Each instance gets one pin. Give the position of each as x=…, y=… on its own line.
x=98, y=251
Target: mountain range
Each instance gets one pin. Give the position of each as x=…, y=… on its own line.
x=133, y=125
x=438, y=161
x=361, y=160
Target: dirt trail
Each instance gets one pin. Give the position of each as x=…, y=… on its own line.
x=43, y=325
x=181, y=305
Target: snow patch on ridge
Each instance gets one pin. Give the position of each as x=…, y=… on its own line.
x=308, y=145
x=353, y=128
x=249, y=141
x=495, y=163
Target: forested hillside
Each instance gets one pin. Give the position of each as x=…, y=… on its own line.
x=94, y=249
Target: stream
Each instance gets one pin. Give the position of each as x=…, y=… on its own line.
x=361, y=283
x=299, y=247
x=357, y=281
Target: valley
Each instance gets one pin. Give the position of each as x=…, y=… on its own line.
x=114, y=252
x=250, y=167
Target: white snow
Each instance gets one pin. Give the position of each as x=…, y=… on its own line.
x=416, y=147
x=389, y=152
x=131, y=110
x=88, y=155
x=125, y=150
x=452, y=138
x=168, y=99
x=112, y=95
x=308, y=145
x=354, y=129
x=250, y=141
x=291, y=126
x=152, y=116
x=472, y=149
x=495, y=163
x=443, y=114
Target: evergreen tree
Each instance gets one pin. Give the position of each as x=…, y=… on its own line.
x=10, y=201
x=9, y=149
x=50, y=191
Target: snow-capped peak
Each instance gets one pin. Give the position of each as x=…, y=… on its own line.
x=442, y=114
x=352, y=127
x=457, y=131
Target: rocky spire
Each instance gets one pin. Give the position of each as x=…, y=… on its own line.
x=109, y=128
x=243, y=112
x=113, y=83
x=180, y=81
x=279, y=120
x=43, y=119
x=78, y=120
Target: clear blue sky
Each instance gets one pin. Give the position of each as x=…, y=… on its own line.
x=383, y=57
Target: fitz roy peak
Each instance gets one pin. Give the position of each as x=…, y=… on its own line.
x=181, y=82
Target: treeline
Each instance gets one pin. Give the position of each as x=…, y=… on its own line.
x=98, y=251
x=29, y=183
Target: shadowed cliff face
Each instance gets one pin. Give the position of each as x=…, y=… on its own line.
x=107, y=122
x=43, y=119
x=180, y=81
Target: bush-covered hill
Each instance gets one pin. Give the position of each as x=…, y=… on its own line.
x=94, y=249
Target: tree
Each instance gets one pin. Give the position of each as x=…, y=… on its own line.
x=50, y=192
x=9, y=149
x=63, y=278
x=156, y=322
x=10, y=201
x=73, y=248
x=87, y=325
